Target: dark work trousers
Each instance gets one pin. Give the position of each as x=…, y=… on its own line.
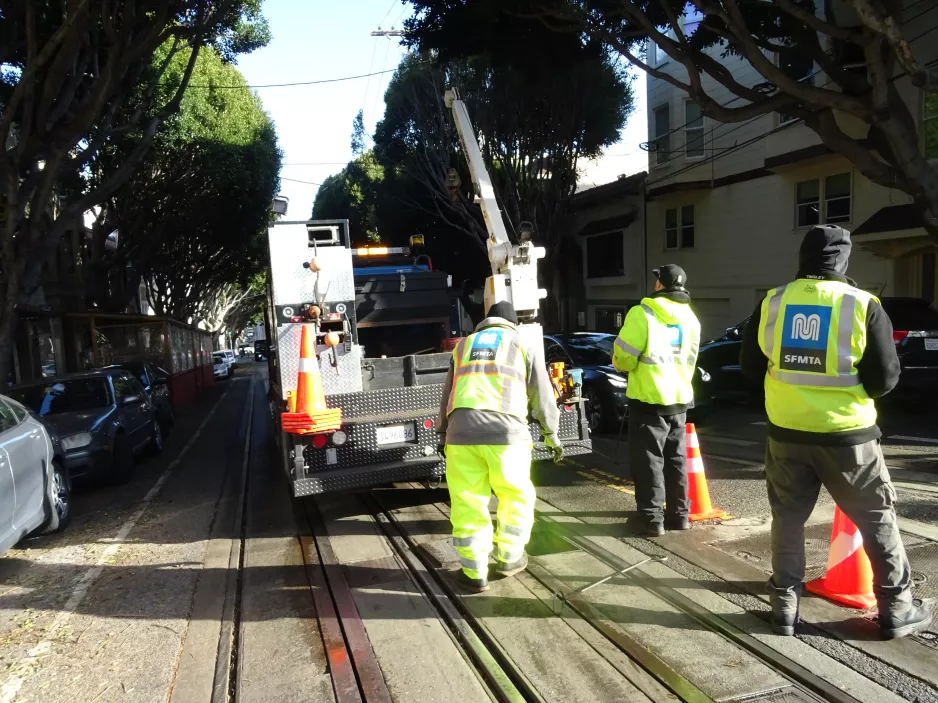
x=658, y=461
x=858, y=480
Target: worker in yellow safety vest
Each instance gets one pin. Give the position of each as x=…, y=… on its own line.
x=492, y=383
x=823, y=350
x=657, y=346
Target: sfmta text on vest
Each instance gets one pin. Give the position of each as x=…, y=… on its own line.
x=800, y=359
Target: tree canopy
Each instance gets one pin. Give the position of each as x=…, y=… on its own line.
x=70, y=71
x=861, y=51
x=192, y=218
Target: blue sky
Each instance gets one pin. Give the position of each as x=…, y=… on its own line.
x=322, y=39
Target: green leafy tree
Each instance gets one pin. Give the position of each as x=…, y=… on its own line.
x=359, y=135
x=867, y=55
x=69, y=69
x=536, y=118
x=352, y=194
x=192, y=219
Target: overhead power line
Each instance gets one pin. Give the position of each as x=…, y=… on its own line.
x=298, y=83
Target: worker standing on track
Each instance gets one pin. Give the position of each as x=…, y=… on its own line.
x=492, y=381
x=657, y=346
x=823, y=349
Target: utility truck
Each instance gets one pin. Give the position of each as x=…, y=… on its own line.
x=385, y=324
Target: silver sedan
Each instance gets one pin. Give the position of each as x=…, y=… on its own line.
x=35, y=493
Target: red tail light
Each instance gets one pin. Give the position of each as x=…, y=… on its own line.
x=319, y=441
x=899, y=335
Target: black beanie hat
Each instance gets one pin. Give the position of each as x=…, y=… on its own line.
x=504, y=310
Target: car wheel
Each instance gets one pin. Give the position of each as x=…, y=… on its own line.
x=59, y=504
x=122, y=460
x=156, y=437
x=597, y=414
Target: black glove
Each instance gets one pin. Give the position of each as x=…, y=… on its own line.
x=441, y=449
x=557, y=453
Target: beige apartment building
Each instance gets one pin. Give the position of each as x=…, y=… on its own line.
x=730, y=202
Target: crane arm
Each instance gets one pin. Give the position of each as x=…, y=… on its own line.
x=514, y=267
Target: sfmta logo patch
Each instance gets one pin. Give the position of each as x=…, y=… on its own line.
x=485, y=345
x=805, y=338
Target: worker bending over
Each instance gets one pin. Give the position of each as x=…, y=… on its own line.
x=823, y=349
x=658, y=348
x=491, y=384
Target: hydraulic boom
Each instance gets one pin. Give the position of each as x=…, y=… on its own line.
x=514, y=266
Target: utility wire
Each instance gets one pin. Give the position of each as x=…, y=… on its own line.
x=291, y=85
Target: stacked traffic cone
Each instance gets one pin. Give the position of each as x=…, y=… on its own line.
x=849, y=577
x=311, y=414
x=697, y=491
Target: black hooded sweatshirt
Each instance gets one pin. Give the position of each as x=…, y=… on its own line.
x=824, y=255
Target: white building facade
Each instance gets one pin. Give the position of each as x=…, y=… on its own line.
x=730, y=203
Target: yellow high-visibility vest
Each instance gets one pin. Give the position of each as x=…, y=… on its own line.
x=658, y=346
x=814, y=334
x=490, y=373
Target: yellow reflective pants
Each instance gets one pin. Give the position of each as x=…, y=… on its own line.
x=473, y=472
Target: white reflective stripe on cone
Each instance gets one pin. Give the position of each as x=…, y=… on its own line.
x=308, y=365
x=692, y=440
x=843, y=546
x=695, y=465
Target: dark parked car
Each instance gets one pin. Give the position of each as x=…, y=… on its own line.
x=915, y=332
x=155, y=381
x=604, y=387
x=101, y=418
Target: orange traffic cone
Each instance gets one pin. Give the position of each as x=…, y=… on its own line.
x=311, y=413
x=697, y=491
x=849, y=577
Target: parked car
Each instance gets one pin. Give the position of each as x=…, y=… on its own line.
x=915, y=332
x=603, y=387
x=222, y=366
x=155, y=381
x=232, y=359
x=103, y=418
x=35, y=490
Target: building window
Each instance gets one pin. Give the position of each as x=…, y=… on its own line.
x=835, y=197
x=693, y=130
x=679, y=233
x=605, y=256
x=610, y=320
x=808, y=203
x=797, y=65
x=663, y=134
x=930, y=120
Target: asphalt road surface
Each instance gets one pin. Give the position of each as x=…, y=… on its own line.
x=202, y=580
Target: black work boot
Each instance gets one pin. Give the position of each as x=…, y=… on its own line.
x=784, y=609
x=675, y=522
x=903, y=619
x=470, y=585
x=511, y=568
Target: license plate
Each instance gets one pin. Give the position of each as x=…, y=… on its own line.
x=393, y=434
x=931, y=344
